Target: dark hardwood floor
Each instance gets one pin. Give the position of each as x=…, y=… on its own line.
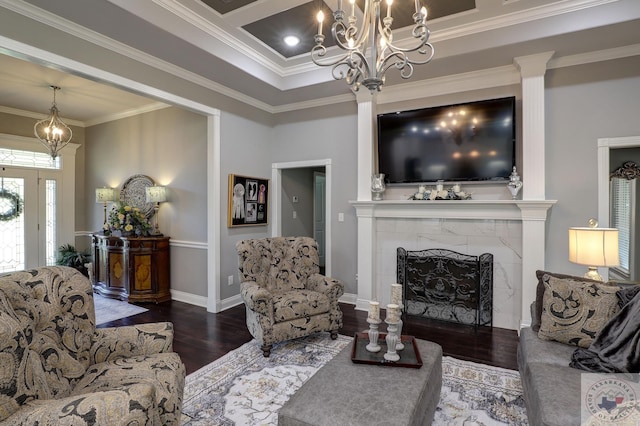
x=201, y=337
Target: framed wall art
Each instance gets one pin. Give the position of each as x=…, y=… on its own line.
x=248, y=201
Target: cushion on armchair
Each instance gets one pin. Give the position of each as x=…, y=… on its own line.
x=57, y=368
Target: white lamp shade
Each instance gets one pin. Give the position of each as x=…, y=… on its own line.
x=594, y=246
x=156, y=194
x=105, y=195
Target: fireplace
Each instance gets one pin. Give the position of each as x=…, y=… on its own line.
x=446, y=285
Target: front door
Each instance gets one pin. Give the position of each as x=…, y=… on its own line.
x=27, y=218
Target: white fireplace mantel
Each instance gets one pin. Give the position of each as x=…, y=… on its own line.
x=455, y=209
x=532, y=215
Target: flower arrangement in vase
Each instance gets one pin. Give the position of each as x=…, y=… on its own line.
x=127, y=221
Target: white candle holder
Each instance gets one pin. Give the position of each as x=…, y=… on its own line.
x=392, y=340
x=399, y=344
x=373, y=345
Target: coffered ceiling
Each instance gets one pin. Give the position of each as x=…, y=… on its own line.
x=238, y=44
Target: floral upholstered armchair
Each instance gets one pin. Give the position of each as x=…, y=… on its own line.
x=285, y=295
x=56, y=368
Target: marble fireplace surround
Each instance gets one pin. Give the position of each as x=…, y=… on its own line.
x=472, y=227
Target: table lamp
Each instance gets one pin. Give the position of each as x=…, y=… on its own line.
x=156, y=195
x=104, y=196
x=593, y=246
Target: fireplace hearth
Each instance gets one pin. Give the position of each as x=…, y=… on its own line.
x=446, y=285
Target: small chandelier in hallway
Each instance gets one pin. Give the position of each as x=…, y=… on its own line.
x=52, y=132
x=370, y=48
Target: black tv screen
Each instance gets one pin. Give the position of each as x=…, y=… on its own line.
x=469, y=142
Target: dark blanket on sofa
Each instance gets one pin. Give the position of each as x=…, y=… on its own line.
x=616, y=349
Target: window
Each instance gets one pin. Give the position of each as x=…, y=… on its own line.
x=622, y=210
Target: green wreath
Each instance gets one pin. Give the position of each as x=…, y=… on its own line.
x=15, y=205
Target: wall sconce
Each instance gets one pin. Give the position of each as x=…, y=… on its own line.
x=156, y=195
x=104, y=196
x=594, y=247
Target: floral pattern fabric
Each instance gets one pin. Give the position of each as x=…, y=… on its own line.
x=285, y=295
x=57, y=368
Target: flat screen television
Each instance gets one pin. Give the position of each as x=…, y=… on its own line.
x=467, y=142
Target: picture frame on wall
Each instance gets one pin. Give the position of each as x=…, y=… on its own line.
x=248, y=201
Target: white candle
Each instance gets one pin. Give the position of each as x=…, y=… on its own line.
x=389, y=2
x=422, y=189
x=396, y=294
x=439, y=187
x=320, y=19
x=417, y=6
x=393, y=313
x=374, y=310
x=456, y=188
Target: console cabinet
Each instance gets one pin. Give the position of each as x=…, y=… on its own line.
x=134, y=269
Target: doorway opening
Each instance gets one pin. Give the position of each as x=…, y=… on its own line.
x=301, y=204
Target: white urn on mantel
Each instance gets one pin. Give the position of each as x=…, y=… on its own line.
x=515, y=184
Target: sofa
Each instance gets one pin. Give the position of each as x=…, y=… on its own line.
x=284, y=293
x=568, y=317
x=57, y=368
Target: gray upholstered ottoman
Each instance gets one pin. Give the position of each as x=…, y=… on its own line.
x=344, y=393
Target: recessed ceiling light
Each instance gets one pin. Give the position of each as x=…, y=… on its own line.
x=291, y=40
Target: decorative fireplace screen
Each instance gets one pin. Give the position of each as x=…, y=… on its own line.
x=446, y=285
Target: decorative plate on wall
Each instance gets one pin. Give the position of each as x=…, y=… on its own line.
x=133, y=193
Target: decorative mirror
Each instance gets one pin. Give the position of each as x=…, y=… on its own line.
x=133, y=193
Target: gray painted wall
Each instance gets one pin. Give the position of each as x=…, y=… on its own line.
x=169, y=146
x=326, y=136
x=245, y=150
x=583, y=103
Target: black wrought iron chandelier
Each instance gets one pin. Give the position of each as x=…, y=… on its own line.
x=52, y=132
x=370, y=48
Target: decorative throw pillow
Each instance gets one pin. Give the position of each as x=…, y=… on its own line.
x=535, y=321
x=573, y=312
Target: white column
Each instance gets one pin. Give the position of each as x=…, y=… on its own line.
x=366, y=142
x=532, y=70
x=366, y=255
x=366, y=221
x=534, y=217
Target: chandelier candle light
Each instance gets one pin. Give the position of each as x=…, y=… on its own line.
x=52, y=132
x=370, y=48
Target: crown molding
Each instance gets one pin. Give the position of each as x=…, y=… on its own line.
x=440, y=85
x=597, y=56
x=515, y=18
x=100, y=40
x=38, y=116
x=125, y=114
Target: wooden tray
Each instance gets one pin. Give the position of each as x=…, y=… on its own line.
x=409, y=356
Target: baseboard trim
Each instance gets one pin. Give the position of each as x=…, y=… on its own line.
x=229, y=302
x=349, y=298
x=192, y=299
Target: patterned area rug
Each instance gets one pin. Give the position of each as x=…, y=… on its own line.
x=244, y=388
x=112, y=309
